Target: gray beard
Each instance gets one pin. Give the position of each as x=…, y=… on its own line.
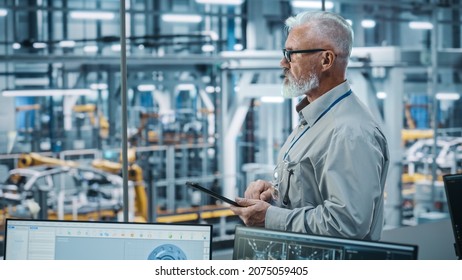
x=295, y=89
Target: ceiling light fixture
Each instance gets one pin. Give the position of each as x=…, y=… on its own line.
x=238, y=47
x=424, y=25
x=90, y=49
x=98, y=86
x=46, y=92
x=92, y=15
x=3, y=12
x=447, y=96
x=181, y=18
x=209, y=89
x=16, y=46
x=208, y=48
x=272, y=99
x=312, y=4
x=368, y=23
x=186, y=87
x=67, y=44
x=146, y=87
x=118, y=47
x=381, y=95
x=220, y=2
x=39, y=45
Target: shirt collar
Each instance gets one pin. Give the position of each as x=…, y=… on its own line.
x=310, y=113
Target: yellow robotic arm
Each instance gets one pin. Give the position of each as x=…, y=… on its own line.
x=135, y=174
x=34, y=159
x=90, y=110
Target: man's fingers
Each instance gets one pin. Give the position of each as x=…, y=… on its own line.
x=267, y=195
x=256, y=188
x=245, y=201
x=252, y=212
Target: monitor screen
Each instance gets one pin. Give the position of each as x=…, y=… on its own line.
x=263, y=244
x=84, y=240
x=453, y=187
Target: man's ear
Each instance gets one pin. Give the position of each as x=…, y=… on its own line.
x=328, y=58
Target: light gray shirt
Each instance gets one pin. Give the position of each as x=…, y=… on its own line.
x=332, y=171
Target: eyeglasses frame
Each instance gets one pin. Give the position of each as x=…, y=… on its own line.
x=288, y=53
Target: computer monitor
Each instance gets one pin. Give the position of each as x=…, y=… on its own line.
x=264, y=244
x=85, y=240
x=453, y=188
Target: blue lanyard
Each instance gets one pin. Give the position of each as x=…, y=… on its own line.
x=320, y=116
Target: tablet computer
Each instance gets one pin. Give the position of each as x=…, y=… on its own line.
x=212, y=193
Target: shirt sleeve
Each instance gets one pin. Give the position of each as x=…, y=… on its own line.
x=351, y=183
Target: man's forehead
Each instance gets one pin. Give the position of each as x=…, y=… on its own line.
x=299, y=35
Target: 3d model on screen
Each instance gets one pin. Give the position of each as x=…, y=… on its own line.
x=167, y=252
x=300, y=252
x=264, y=250
x=271, y=250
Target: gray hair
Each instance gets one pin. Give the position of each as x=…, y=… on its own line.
x=329, y=26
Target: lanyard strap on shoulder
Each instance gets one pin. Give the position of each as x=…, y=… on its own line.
x=320, y=116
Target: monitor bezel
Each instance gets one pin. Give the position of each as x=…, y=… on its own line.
x=7, y=220
x=413, y=247
x=446, y=180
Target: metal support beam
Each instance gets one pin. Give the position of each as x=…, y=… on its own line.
x=432, y=90
x=112, y=103
x=393, y=113
x=123, y=94
x=170, y=166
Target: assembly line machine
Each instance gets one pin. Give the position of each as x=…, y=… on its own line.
x=203, y=101
x=204, y=119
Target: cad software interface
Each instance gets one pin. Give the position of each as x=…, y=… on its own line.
x=68, y=240
x=261, y=244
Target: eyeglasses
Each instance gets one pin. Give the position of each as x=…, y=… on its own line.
x=287, y=53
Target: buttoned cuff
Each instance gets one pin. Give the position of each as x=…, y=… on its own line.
x=276, y=218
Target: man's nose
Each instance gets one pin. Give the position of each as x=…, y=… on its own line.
x=284, y=63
